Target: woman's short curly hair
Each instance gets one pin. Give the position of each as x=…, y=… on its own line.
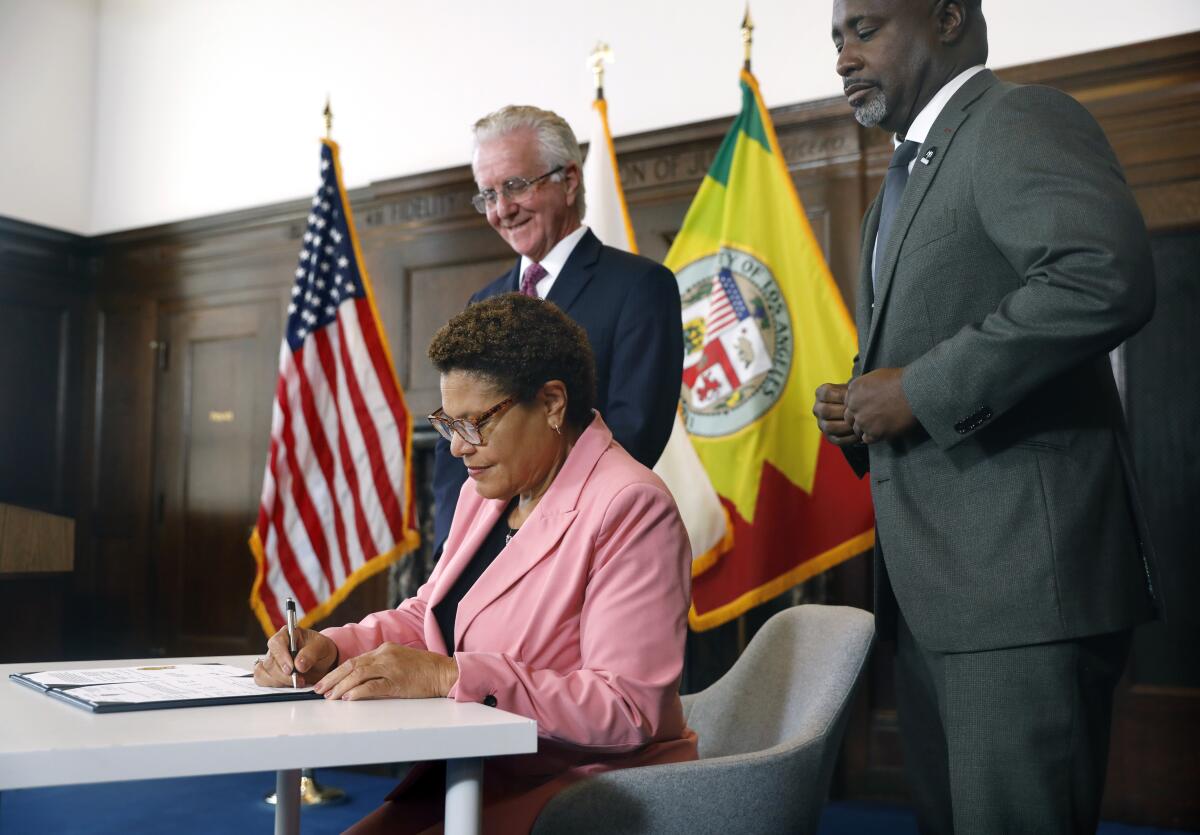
x=520, y=343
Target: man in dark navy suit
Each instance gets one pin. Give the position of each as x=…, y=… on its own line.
x=528, y=164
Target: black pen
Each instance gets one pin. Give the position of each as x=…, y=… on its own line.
x=291, y=625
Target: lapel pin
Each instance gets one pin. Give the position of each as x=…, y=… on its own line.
x=928, y=156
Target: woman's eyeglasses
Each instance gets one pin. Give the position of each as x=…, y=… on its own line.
x=468, y=430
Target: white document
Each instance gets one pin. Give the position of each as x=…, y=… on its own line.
x=115, y=675
x=179, y=688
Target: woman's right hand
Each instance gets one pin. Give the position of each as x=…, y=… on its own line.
x=316, y=655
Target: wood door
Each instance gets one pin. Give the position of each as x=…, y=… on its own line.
x=216, y=384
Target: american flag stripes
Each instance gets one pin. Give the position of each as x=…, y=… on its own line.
x=337, y=492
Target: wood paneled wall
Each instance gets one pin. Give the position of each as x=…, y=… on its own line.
x=45, y=287
x=115, y=353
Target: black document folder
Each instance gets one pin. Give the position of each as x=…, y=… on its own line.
x=155, y=687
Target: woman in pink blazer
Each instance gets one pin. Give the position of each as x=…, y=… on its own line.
x=562, y=591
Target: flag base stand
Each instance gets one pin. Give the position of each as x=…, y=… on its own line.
x=313, y=793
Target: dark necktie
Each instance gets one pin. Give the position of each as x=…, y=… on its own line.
x=893, y=193
x=533, y=273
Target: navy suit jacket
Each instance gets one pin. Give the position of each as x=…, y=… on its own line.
x=629, y=306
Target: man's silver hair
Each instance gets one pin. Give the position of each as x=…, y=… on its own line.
x=557, y=144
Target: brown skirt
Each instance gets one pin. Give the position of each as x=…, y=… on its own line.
x=418, y=804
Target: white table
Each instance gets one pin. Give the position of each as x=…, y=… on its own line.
x=45, y=742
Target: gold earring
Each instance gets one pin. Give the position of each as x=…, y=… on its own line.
x=556, y=428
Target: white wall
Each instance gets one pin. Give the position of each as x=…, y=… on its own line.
x=47, y=62
x=204, y=106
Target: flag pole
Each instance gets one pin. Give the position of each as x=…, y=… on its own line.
x=602, y=54
x=747, y=37
x=312, y=793
x=747, y=45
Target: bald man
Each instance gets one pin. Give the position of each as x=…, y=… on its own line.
x=1003, y=259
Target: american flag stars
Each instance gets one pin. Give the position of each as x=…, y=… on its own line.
x=326, y=252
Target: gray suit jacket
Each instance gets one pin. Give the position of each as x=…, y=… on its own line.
x=1018, y=259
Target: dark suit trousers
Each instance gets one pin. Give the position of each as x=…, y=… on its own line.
x=1008, y=740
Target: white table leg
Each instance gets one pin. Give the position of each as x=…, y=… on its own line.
x=287, y=802
x=464, y=796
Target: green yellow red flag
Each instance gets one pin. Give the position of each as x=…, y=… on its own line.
x=764, y=325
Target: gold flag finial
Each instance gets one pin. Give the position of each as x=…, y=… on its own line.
x=328, y=119
x=747, y=35
x=600, y=56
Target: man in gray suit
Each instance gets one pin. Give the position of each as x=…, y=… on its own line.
x=1002, y=261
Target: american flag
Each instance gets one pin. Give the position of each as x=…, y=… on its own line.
x=337, y=492
x=726, y=307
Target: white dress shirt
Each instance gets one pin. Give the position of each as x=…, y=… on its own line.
x=918, y=131
x=554, y=261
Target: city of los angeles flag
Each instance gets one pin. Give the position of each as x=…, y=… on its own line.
x=763, y=325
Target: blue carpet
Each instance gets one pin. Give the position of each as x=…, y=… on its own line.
x=234, y=803
x=183, y=806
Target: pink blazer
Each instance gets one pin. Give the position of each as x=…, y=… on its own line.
x=579, y=623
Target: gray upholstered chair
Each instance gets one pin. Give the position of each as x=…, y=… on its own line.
x=769, y=732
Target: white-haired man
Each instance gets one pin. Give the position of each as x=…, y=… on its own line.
x=527, y=165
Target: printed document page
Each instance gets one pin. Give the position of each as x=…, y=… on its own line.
x=115, y=675
x=158, y=683
x=178, y=688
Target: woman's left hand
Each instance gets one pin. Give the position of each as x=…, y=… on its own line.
x=391, y=671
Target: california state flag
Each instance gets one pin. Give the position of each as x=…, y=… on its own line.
x=704, y=517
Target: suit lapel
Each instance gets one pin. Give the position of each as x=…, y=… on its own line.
x=576, y=273
x=457, y=556
x=512, y=282
x=534, y=542
x=924, y=170
x=542, y=531
x=483, y=519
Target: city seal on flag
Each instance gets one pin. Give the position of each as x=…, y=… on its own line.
x=737, y=335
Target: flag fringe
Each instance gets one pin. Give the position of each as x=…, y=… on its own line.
x=778, y=585
x=406, y=520
x=601, y=106
x=723, y=546
x=368, y=569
